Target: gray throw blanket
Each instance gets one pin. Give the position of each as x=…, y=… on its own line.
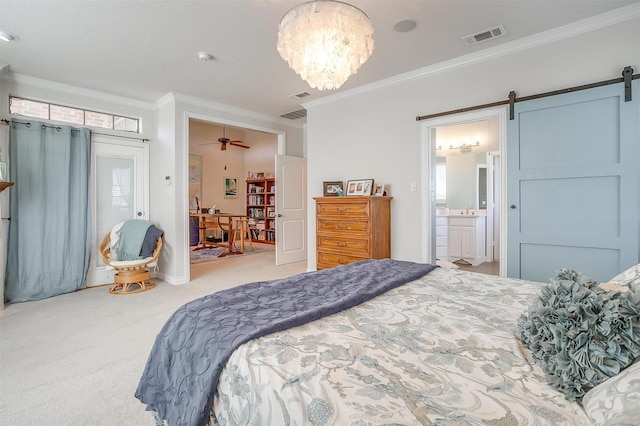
x=181, y=375
x=131, y=238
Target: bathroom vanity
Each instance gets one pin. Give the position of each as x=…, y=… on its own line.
x=461, y=234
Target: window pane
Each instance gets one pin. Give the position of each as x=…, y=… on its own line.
x=98, y=119
x=66, y=114
x=124, y=123
x=72, y=115
x=114, y=192
x=29, y=108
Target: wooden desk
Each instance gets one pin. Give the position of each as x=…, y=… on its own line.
x=226, y=226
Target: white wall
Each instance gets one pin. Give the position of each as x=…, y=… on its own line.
x=374, y=134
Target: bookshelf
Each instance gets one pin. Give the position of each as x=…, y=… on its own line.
x=261, y=209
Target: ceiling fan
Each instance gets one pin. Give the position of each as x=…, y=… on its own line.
x=224, y=140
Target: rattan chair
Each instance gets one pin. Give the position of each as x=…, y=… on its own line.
x=132, y=276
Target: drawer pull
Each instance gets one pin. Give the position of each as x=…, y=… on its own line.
x=341, y=209
x=343, y=262
x=343, y=227
x=342, y=244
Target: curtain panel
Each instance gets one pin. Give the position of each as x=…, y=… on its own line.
x=49, y=242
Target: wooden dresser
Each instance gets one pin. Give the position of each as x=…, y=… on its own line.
x=349, y=229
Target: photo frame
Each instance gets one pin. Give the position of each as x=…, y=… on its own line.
x=378, y=190
x=230, y=187
x=359, y=187
x=332, y=188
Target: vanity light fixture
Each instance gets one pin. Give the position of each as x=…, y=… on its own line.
x=465, y=147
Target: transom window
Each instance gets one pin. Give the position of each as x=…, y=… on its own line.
x=47, y=111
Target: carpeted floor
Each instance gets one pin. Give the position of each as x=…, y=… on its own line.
x=212, y=253
x=76, y=359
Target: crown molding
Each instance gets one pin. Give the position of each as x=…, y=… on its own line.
x=229, y=109
x=166, y=99
x=74, y=90
x=593, y=23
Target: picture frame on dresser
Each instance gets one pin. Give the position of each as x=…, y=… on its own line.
x=332, y=188
x=379, y=190
x=359, y=187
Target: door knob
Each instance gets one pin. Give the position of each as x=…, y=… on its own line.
x=139, y=213
x=512, y=206
x=279, y=215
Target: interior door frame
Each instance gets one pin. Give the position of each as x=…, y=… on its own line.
x=427, y=175
x=185, y=167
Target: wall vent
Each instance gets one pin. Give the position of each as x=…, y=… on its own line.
x=300, y=95
x=491, y=33
x=295, y=114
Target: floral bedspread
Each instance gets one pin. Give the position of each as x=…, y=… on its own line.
x=439, y=350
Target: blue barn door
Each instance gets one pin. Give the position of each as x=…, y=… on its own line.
x=572, y=184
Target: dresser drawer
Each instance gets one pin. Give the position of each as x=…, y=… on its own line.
x=357, y=209
x=329, y=260
x=349, y=246
x=352, y=226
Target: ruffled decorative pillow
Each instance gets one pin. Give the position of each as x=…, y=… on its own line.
x=579, y=333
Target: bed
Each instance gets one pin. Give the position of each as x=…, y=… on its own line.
x=440, y=348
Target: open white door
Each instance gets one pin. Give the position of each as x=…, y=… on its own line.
x=291, y=211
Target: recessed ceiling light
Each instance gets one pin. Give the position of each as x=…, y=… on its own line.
x=405, y=26
x=204, y=56
x=8, y=36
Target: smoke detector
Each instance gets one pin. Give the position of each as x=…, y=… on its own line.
x=491, y=33
x=205, y=56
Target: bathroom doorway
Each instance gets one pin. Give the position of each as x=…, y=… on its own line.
x=463, y=168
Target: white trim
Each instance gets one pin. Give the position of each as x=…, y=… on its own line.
x=169, y=279
x=566, y=31
x=428, y=150
x=74, y=90
x=230, y=109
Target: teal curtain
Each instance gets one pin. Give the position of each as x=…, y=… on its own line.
x=49, y=242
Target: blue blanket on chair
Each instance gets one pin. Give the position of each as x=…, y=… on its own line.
x=131, y=237
x=181, y=375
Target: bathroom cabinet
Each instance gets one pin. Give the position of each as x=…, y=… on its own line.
x=466, y=239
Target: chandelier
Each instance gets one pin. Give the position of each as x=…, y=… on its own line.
x=325, y=42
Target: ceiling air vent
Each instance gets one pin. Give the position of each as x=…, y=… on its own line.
x=300, y=95
x=489, y=34
x=295, y=114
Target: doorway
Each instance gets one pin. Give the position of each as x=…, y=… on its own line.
x=266, y=145
x=119, y=183
x=462, y=166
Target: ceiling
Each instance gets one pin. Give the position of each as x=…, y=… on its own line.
x=143, y=50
